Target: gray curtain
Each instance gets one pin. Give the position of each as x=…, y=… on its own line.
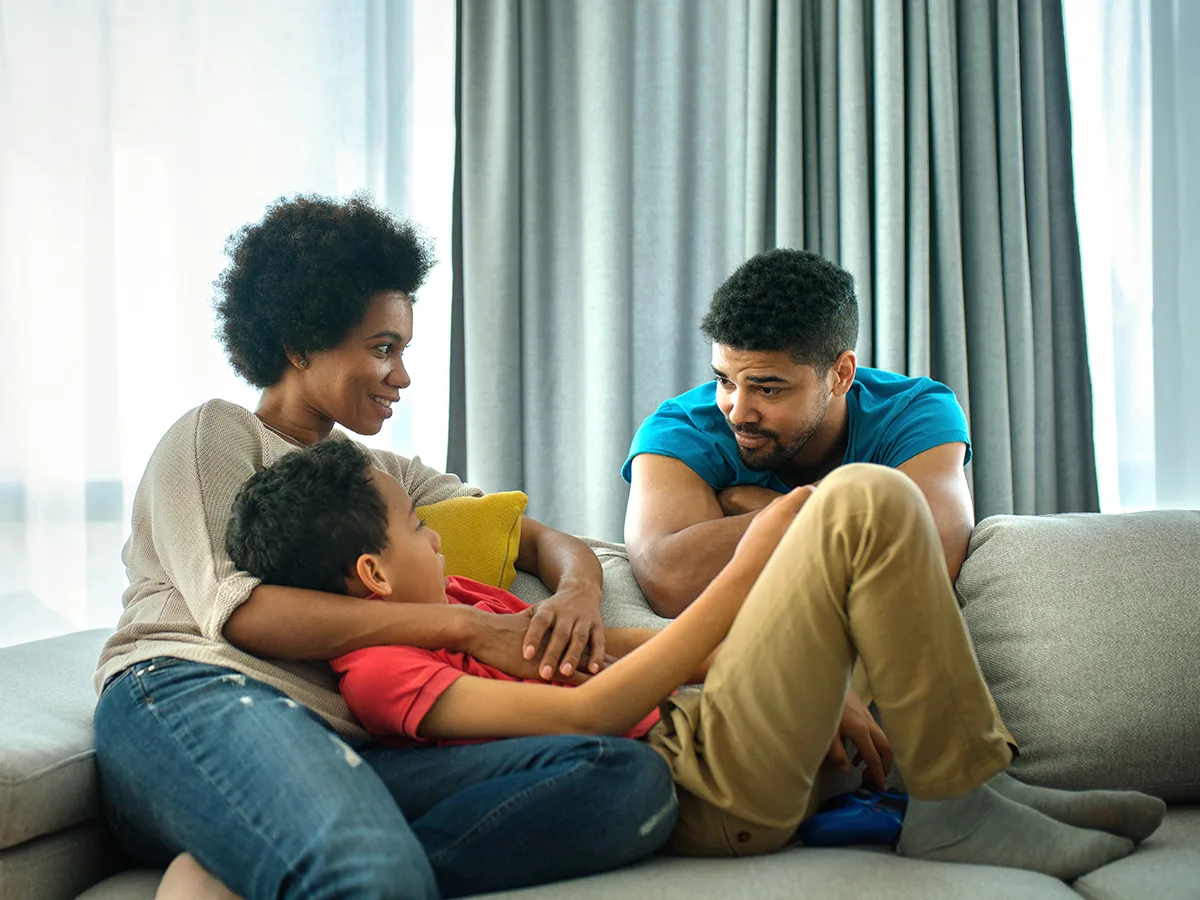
x=618, y=160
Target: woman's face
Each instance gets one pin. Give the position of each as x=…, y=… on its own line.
x=356, y=382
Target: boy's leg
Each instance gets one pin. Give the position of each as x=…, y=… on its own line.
x=507, y=814
x=861, y=567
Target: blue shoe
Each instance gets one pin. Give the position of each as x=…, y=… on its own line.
x=865, y=816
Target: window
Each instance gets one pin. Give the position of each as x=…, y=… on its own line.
x=135, y=137
x=1134, y=76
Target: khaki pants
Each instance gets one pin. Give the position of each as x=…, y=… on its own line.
x=860, y=575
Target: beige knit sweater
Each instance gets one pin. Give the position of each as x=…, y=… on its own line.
x=182, y=584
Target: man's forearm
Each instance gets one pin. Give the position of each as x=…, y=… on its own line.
x=673, y=569
x=290, y=623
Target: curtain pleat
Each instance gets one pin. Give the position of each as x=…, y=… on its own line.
x=619, y=160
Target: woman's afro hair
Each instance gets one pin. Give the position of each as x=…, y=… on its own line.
x=304, y=276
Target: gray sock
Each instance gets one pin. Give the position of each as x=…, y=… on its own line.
x=984, y=828
x=1125, y=813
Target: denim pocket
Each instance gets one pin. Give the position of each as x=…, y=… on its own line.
x=171, y=675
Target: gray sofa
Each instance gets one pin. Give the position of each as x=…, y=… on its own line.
x=1086, y=626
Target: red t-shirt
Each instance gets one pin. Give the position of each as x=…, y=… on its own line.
x=390, y=689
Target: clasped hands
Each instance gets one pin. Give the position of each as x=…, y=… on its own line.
x=560, y=639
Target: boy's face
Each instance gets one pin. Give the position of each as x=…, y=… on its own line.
x=411, y=569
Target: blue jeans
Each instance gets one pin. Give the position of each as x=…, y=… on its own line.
x=276, y=804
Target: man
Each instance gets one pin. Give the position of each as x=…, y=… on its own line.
x=788, y=404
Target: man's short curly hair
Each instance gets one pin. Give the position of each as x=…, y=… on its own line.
x=303, y=277
x=306, y=520
x=790, y=300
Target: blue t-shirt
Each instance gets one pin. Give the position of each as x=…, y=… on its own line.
x=892, y=418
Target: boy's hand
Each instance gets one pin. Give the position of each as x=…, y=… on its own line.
x=569, y=626
x=768, y=528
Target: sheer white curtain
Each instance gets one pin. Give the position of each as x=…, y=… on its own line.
x=1135, y=79
x=135, y=135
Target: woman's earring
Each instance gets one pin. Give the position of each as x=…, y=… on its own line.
x=304, y=362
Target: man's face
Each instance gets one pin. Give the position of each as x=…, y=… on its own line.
x=773, y=404
x=412, y=562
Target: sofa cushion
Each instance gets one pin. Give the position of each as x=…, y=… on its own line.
x=850, y=873
x=1165, y=867
x=623, y=605
x=58, y=866
x=1087, y=627
x=481, y=536
x=47, y=775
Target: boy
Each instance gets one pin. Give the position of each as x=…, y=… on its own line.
x=820, y=578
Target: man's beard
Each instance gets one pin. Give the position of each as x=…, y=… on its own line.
x=775, y=454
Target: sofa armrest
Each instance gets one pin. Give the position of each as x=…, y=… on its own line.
x=48, y=777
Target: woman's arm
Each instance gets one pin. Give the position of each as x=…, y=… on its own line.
x=569, y=622
x=290, y=623
x=624, y=693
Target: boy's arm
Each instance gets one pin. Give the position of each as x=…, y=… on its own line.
x=609, y=703
x=677, y=534
x=623, y=641
x=623, y=694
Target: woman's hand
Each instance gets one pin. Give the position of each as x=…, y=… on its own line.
x=566, y=628
x=497, y=640
x=569, y=628
x=872, y=744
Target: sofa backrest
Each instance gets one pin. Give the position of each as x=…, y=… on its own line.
x=1087, y=628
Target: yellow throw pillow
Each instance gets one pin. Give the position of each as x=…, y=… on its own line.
x=481, y=536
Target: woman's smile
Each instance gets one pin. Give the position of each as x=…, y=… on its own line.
x=384, y=404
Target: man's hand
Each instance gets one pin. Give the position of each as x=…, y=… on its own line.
x=570, y=627
x=744, y=498
x=768, y=528
x=872, y=744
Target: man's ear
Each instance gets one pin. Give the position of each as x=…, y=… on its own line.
x=372, y=576
x=842, y=373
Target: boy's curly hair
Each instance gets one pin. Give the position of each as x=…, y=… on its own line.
x=303, y=277
x=306, y=520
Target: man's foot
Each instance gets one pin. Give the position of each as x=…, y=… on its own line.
x=186, y=879
x=1124, y=813
x=984, y=828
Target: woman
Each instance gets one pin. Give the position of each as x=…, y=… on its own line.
x=220, y=731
